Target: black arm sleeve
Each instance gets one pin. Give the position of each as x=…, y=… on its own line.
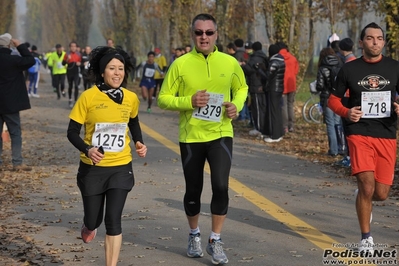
x=73, y=136
x=135, y=129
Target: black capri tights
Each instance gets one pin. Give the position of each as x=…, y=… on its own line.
x=94, y=210
x=219, y=154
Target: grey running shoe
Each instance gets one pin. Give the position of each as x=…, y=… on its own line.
x=215, y=249
x=194, y=249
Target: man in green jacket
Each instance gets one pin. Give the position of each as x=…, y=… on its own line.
x=58, y=70
x=208, y=88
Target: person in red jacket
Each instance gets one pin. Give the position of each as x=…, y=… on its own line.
x=291, y=70
x=73, y=59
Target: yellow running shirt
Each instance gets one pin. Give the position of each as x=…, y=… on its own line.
x=106, y=124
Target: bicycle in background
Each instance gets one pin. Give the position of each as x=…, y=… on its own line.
x=312, y=112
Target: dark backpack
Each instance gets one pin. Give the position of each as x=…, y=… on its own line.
x=333, y=75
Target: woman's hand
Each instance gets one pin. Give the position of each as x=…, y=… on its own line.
x=141, y=149
x=95, y=155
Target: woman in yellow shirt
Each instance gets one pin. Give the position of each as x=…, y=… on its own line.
x=108, y=112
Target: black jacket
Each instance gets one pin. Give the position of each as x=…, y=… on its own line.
x=13, y=93
x=275, y=74
x=325, y=76
x=257, y=61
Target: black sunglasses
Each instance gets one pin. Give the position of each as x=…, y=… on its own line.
x=208, y=32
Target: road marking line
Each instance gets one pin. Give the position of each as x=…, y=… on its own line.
x=299, y=226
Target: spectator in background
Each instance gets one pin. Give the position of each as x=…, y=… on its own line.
x=291, y=70
x=248, y=50
x=172, y=55
x=335, y=47
x=34, y=74
x=231, y=49
x=240, y=50
x=274, y=89
x=110, y=43
x=14, y=97
x=346, y=50
x=178, y=52
x=187, y=48
x=328, y=67
x=254, y=71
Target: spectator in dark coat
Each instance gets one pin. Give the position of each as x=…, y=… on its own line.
x=14, y=95
x=274, y=89
x=256, y=62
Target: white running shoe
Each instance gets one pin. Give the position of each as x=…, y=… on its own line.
x=215, y=249
x=194, y=249
x=34, y=95
x=366, y=244
x=270, y=140
x=254, y=132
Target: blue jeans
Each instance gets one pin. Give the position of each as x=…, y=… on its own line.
x=332, y=119
x=244, y=113
x=13, y=123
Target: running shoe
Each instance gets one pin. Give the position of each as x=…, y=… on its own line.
x=87, y=235
x=63, y=93
x=149, y=110
x=345, y=162
x=254, y=132
x=270, y=140
x=215, y=249
x=194, y=249
x=366, y=244
x=371, y=214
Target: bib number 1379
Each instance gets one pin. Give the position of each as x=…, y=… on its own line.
x=212, y=111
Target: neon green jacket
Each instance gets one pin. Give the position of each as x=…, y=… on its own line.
x=55, y=62
x=219, y=73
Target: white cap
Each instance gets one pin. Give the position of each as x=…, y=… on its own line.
x=5, y=39
x=333, y=37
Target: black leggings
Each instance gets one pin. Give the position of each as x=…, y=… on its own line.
x=219, y=154
x=73, y=79
x=94, y=210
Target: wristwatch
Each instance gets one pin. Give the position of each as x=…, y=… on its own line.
x=87, y=150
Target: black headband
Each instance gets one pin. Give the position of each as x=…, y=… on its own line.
x=108, y=57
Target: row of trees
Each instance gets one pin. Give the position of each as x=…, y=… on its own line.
x=139, y=25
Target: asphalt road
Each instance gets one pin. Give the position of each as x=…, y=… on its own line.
x=283, y=211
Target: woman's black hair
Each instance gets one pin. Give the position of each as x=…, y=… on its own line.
x=95, y=57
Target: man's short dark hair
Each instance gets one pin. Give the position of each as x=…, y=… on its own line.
x=231, y=46
x=239, y=43
x=372, y=25
x=58, y=45
x=204, y=16
x=282, y=45
x=151, y=53
x=34, y=48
